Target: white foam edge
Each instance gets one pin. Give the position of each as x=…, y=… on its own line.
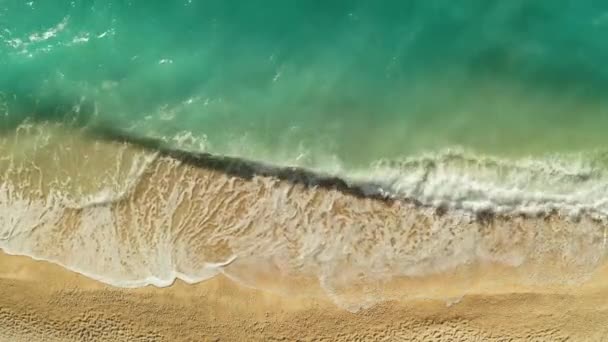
x=214, y=268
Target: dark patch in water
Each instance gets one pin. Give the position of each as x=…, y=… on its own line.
x=247, y=169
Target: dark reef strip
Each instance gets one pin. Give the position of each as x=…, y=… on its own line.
x=247, y=169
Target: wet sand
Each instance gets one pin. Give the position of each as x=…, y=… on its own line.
x=40, y=301
x=321, y=264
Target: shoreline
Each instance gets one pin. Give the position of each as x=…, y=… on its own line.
x=332, y=266
x=42, y=301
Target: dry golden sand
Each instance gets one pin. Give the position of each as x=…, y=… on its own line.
x=40, y=301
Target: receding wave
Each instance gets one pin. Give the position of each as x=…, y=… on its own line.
x=133, y=212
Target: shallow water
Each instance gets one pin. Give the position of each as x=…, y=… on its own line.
x=132, y=217
x=354, y=81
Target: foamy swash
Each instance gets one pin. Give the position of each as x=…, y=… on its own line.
x=131, y=217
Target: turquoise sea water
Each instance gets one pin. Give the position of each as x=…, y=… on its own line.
x=475, y=104
x=352, y=80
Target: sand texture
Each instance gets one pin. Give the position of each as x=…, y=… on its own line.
x=273, y=257
x=40, y=301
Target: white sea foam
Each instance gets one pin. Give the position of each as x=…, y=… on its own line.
x=569, y=184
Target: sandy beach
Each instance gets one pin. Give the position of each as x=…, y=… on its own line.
x=40, y=301
x=372, y=270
